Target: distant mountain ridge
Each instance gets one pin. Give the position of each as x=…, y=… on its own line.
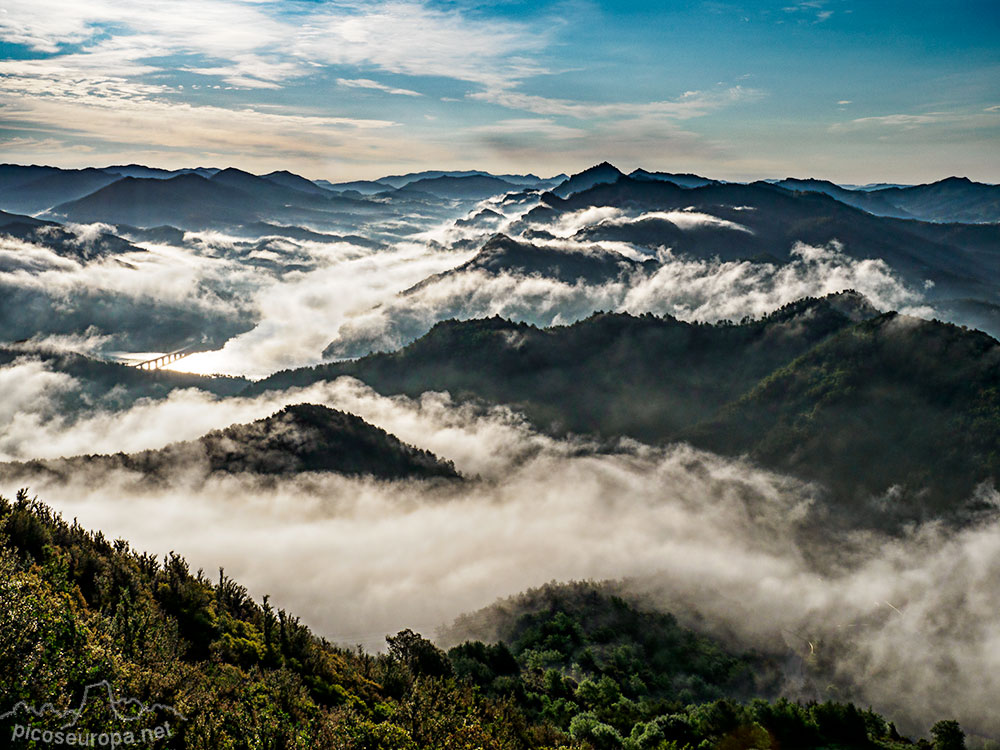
x=953, y=199
x=32, y=189
x=503, y=254
x=959, y=260
x=475, y=187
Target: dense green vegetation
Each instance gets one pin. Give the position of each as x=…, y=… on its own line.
x=76, y=608
x=615, y=674
x=899, y=418
x=575, y=667
x=299, y=438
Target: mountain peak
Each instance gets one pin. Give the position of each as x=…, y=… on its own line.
x=595, y=175
x=300, y=438
x=232, y=172
x=604, y=166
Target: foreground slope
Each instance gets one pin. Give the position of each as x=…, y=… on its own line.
x=79, y=609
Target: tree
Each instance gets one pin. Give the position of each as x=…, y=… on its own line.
x=948, y=735
x=421, y=656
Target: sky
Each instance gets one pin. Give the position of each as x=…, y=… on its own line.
x=856, y=92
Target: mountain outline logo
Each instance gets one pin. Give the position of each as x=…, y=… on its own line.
x=128, y=711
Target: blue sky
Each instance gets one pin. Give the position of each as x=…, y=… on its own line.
x=850, y=91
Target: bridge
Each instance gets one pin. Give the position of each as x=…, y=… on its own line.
x=164, y=359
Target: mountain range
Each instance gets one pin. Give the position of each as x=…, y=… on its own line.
x=33, y=189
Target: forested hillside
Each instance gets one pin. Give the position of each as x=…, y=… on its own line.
x=299, y=438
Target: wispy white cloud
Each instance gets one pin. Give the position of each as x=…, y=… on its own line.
x=712, y=539
x=116, y=110
x=528, y=126
x=913, y=121
x=367, y=83
x=816, y=8
x=687, y=105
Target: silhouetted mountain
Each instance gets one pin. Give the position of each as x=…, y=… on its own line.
x=68, y=243
x=364, y=187
x=501, y=254
x=485, y=217
x=875, y=186
x=267, y=191
x=51, y=189
x=299, y=438
x=232, y=198
x=399, y=181
x=20, y=220
x=596, y=175
x=953, y=199
x=138, y=170
x=778, y=219
x=611, y=374
x=185, y=201
x=13, y=175
x=295, y=182
x=872, y=202
x=684, y=180
x=471, y=187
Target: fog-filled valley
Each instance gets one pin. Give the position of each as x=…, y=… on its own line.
x=628, y=451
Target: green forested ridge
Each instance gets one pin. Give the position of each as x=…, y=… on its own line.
x=577, y=667
x=898, y=417
x=897, y=405
x=610, y=374
x=299, y=438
